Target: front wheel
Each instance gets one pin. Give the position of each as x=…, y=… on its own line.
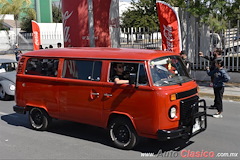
x=123, y=134
x=39, y=119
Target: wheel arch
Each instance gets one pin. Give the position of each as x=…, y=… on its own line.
x=29, y=107
x=115, y=115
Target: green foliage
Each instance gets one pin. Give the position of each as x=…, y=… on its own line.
x=141, y=14
x=26, y=24
x=57, y=14
x=215, y=13
x=14, y=7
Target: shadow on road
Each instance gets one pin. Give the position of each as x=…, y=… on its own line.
x=97, y=134
x=16, y=120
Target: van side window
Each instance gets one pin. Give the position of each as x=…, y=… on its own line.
x=42, y=67
x=135, y=68
x=81, y=69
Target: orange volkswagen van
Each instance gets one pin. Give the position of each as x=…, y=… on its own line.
x=158, y=99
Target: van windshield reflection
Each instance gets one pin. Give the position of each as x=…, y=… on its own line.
x=168, y=70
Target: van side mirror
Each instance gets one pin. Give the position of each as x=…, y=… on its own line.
x=132, y=78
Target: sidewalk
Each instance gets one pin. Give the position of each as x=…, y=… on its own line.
x=231, y=91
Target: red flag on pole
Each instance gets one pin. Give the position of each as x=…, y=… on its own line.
x=86, y=23
x=36, y=35
x=169, y=27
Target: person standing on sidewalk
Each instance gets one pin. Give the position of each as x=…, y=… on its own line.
x=16, y=51
x=217, y=55
x=220, y=76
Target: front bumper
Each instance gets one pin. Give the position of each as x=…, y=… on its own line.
x=18, y=109
x=196, y=125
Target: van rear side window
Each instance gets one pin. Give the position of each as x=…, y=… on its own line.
x=42, y=67
x=81, y=69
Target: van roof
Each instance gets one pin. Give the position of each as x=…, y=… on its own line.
x=100, y=53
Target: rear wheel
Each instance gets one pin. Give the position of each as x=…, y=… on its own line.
x=3, y=94
x=39, y=119
x=123, y=134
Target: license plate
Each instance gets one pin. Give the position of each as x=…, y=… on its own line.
x=196, y=126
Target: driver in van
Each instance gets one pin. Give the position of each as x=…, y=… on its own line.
x=159, y=72
x=119, y=77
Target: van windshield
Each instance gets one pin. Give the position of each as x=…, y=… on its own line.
x=168, y=70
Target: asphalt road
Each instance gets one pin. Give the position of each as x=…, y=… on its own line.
x=68, y=140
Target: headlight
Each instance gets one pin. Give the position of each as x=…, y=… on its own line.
x=12, y=87
x=172, y=112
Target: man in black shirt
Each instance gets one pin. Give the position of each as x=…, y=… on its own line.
x=119, y=77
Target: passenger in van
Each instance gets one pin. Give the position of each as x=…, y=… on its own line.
x=170, y=66
x=159, y=72
x=119, y=77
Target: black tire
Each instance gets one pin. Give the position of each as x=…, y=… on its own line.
x=3, y=95
x=122, y=133
x=39, y=119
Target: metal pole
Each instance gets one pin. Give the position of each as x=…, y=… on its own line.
x=238, y=49
x=187, y=19
x=91, y=23
x=37, y=6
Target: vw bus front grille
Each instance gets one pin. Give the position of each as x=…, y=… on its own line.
x=186, y=110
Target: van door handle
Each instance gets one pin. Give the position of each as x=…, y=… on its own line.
x=94, y=95
x=107, y=95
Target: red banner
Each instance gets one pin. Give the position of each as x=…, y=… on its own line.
x=36, y=35
x=169, y=27
x=85, y=19
x=101, y=9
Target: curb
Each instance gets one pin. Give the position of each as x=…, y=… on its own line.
x=225, y=97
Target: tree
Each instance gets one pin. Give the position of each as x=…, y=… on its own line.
x=57, y=14
x=212, y=12
x=141, y=14
x=14, y=7
x=26, y=23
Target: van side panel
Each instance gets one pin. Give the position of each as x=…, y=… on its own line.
x=39, y=91
x=81, y=101
x=138, y=103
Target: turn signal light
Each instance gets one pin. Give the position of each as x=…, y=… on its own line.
x=173, y=97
